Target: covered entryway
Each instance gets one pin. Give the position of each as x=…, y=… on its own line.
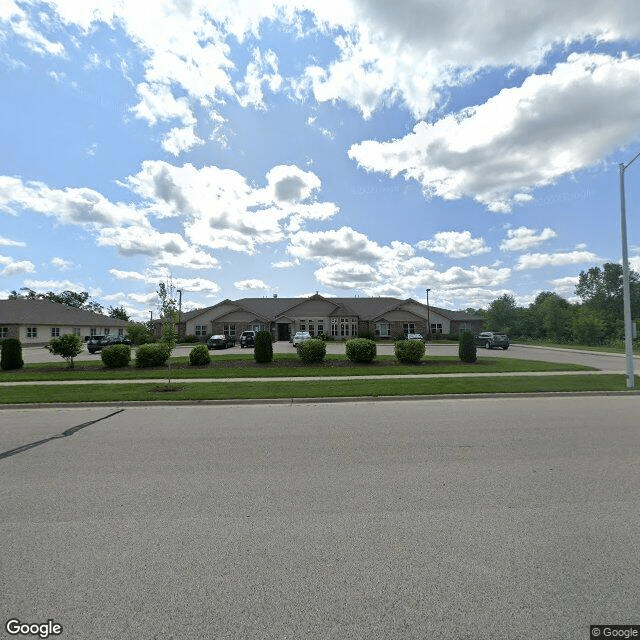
x=283, y=330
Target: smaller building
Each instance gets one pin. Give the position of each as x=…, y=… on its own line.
x=337, y=318
x=35, y=322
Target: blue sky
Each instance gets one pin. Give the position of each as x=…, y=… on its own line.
x=354, y=148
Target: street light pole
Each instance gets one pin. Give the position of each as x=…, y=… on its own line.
x=179, y=310
x=626, y=289
x=428, y=318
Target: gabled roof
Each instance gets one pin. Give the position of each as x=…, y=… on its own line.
x=364, y=308
x=36, y=312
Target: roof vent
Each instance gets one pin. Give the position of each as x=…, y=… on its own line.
x=275, y=295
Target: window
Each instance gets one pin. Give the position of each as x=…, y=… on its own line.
x=408, y=327
x=256, y=326
x=229, y=330
x=303, y=325
x=76, y=331
x=32, y=332
x=436, y=327
x=106, y=331
x=55, y=332
x=334, y=327
x=4, y=332
x=93, y=332
x=120, y=332
x=382, y=329
x=320, y=326
x=201, y=330
x=311, y=327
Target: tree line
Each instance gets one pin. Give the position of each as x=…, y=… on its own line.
x=597, y=319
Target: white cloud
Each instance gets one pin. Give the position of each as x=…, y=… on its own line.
x=263, y=69
x=127, y=275
x=79, y=206
x=61, y=264
x=14, y=267
x=54, y=285
x=181, y=139
x=6, y=242
x=221, y=210
x=523, y=238
x=455, y=244
x=250, y=285
x=565, y=286
x=157, y=103
x=522, y=138
x=539, y=260
x=285, y=264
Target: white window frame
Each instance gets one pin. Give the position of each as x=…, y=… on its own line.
x=32, y=332
x=55, y=332
x=383, y=329
x=201, y=330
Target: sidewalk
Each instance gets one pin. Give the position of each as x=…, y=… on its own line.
x=424, y=376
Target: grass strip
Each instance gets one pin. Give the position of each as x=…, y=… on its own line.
x=311, y=389
x=239, y=367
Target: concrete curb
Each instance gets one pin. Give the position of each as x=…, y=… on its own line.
x=302, y=401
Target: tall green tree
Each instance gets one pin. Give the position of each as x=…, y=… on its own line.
x=118, y=312
x=502, y=314
x=77, y=299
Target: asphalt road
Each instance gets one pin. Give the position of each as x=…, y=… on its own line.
x=604, y=361
x=438, y=519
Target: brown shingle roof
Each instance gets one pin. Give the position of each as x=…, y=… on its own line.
x=46, y=312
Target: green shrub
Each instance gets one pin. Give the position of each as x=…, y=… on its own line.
x=11, y=357
x=139, y=333
x=199, y=356
x=361, y=350
x=311, y=351
x=115, y=356
x=191, y=339
x=263, y=349
x=152, y=355
x=367, y=335
x=409, y=351
x=68, y=346
x=467, y=347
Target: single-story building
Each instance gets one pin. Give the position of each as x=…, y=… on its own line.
x=35, y=322
x=337, y=318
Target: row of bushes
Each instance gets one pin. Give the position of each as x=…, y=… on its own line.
x=359, y=350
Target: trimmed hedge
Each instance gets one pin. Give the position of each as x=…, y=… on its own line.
x=467, y=348
x=151, y=355
x=199, y=356
x=311, y=351
x=361, y=350
x=263, y=348
x=409, y=351
x=11, y=356
x=115, y=356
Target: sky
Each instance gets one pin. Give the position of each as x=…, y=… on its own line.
x=248, y=148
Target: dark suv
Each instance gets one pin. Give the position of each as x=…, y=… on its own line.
x=247, y=339
x=491, y=340
x=96, y=343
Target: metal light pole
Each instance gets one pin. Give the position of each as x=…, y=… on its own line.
x=626, y=289
x=179, y=310
x=428, y=318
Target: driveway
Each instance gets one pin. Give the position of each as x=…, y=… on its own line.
x=603, y=361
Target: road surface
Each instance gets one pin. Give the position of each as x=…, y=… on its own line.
x=473, y=519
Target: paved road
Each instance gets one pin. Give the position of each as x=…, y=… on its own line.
x=604, y=361
x=439, y=519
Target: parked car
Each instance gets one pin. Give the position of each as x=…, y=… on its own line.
x=300, y=337
x=414, y=336
x=247, y=339
x=221, y=341
x=491, y=340
x=96, y=343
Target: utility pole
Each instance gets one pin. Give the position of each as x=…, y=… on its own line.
x=626, y=289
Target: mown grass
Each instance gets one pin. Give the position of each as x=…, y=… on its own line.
x=201, y=391
x=244, y=366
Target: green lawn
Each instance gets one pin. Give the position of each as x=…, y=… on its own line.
x=200, y=391
x=244, y=366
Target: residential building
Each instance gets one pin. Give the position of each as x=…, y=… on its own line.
x=337, y=318
x=35, y=322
